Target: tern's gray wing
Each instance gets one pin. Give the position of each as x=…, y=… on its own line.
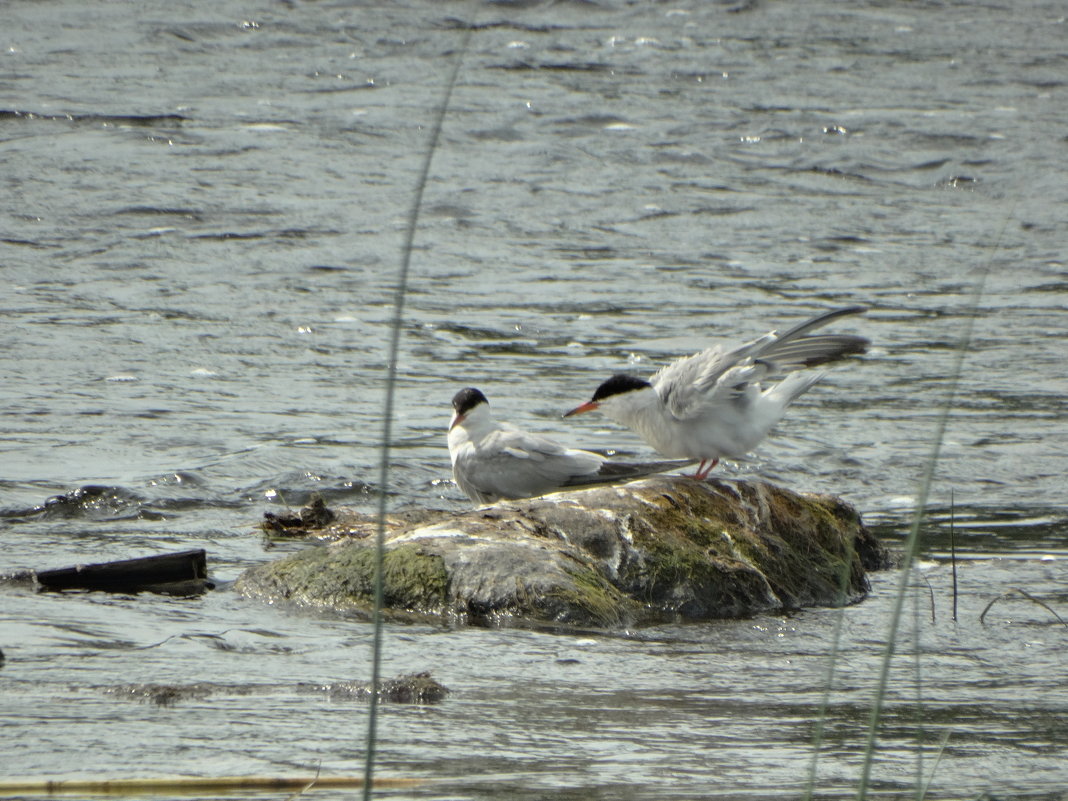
x=615, y=472
x=794, y=348
x=714, y=376
x=820, y=320
x=684, y=385
x=811, y=351
x=512, y=464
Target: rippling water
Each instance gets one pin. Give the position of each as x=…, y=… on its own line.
x=200, y=239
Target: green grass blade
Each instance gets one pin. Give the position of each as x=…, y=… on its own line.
x=911, y=547
x=387, y=416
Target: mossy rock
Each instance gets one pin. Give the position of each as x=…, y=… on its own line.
x=661, y=548
x=342, y=577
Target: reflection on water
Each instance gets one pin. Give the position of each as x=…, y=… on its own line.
x=199, y=262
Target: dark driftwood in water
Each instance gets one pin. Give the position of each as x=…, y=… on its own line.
x=182, y=573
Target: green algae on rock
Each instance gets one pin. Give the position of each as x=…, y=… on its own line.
x=341, y=577
x=663, y=548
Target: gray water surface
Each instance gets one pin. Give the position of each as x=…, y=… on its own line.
x=201, y=224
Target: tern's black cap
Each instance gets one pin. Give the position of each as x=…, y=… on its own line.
x=467, y=399
x=618, y=384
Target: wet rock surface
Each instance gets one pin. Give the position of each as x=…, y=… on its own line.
x=663, y=548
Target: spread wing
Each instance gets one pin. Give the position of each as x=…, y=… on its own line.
x=713, y=377
x=709, y=378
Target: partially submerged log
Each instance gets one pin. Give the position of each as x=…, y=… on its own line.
x=181, y=573
x=663, y=548
x=409, y=688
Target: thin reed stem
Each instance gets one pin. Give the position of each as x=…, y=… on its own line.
x=913, y=540
x=832, y=668
x=397, y=320
x=953, y=550
x=917, y=666
x=938, y=758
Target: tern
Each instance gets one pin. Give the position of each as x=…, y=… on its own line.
x=711, y=404
x=494, y=461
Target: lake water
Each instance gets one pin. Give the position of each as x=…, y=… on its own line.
x=201, y=226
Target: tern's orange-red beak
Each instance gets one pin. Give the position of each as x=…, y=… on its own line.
x=456, y=420
x=589, y=406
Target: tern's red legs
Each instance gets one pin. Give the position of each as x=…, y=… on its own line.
x=702, y=471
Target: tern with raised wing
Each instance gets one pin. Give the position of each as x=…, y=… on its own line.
x=712, y=404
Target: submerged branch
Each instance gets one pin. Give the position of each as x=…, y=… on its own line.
x=1028, y=596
